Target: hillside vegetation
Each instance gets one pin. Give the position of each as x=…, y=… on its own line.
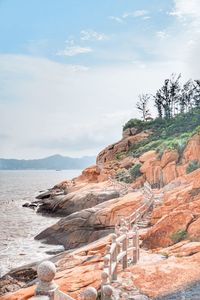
x=166, y=133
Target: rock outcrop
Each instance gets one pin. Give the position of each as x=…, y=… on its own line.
x=179, y=214
x=109, y=153
x=75, y=271
x=91, y=224
x=85, y=197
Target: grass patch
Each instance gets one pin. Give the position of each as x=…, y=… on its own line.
x=123, y=176
x=167, y=134
x=192, y=166
x=179, y=236
x=135, y=171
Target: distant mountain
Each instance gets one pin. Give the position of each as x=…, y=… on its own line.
x=54, y=162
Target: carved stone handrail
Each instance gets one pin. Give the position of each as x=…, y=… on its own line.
x=47, y=289
x=117, y=252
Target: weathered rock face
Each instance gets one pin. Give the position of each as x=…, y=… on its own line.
x=161, y=234
x=82, y=198
x=91, y=224
x=90, y=174
x=182, y=249
x=129, y=132
x=161, y=171
x=109, y=153
x=75, y=271
x=180, y=211
x=194, y=230
x=192, y=151
x=157, y=279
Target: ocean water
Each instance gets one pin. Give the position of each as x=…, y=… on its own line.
x=19, y=225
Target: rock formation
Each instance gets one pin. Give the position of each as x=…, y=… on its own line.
x=91, y=224
x=92, y=204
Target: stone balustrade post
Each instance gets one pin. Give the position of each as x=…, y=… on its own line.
x=46, y=272
x=108, y=293
x=137, y=247
x=124, y=248
x=113, y=257
x=104, y=282
x=107, y=250
x=134, y=246
x=90, y=293
x=107, y=264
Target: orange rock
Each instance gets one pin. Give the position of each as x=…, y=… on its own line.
x=160, y=235
x=148, y=156
x=109, y=153
x=156, y=279
x=89, y=174
x=127, y=162
x=75, y=271
x=192, y=150
x=194, y=230
x=184, y=248
x=169, y=172
x=168, y=157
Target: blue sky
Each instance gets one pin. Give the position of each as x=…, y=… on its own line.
x=43, y=28
x=71, y=70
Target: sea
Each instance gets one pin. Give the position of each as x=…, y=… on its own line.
x=19, y=225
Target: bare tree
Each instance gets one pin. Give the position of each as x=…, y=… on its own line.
x=197, y=93
x=142, y=106
x=167, y=97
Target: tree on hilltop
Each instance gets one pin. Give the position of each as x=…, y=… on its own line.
x=142, y=106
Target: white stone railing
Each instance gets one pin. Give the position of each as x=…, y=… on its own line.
x=125, y=242
x=47, y=289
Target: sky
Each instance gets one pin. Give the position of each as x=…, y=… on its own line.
x=71, y=70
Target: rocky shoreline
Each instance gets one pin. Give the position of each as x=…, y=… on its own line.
x=91, y=205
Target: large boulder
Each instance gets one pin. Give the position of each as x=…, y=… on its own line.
x=110, y=152
x=192, y=150
x=178, y=213
x=91, y=224
x=75, y=271
x=194, y=230
x=162, y=233
x=84, y=197
x=162, y=278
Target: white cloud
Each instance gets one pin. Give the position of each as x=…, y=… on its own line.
x=135, y=14
x=91, y=35
x=48, y=107
x=184, y=41
x=186, y=8
x=117, y=19
x=143, y=14
x=162, y=35
x=74, y=50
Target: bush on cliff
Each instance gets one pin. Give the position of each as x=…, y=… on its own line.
x=192, y=166
x=166, y=133
x=178, y=236
x=123, y=176
x=135, y=171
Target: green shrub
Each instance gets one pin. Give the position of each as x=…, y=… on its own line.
x=120, y=155
x=139, y=124
x=179, y=235
x=192, y=166
x=123, y=176
x=166, y=134
x=135, y=171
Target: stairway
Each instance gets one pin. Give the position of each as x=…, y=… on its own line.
x=125, y=290
x=145, y=221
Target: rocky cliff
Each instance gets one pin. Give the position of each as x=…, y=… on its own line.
x=91, y=205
